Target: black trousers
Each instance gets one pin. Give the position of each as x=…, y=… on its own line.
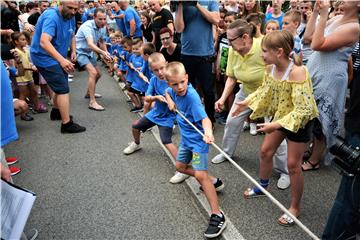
x=199, y=70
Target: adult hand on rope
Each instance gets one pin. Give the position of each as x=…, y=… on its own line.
x=239, y=107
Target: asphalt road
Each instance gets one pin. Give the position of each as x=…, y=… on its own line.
x=87, y=188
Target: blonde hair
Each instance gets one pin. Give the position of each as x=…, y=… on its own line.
x=174, y=69
x=156, y=58
x=295, y=15
x=281, y=39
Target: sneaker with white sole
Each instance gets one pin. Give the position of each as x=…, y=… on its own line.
x=217, y=224
x=253, y=129
x=283, y=182
x=133, y=147
x=218, y=159
x=178, y=177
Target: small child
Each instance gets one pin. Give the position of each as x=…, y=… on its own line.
x=193, y=147
x=146, y=50
x=271, y=26
x=160, y=115
x=291, y=22
x=222, y=49
x=138, y=85
x=26, y=82
x=286, y=94
x=257, y=19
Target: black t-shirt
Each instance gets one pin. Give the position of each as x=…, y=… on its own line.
x=161, y=20
x=9, y=20
x=175, y=56
x=147, y=32
x=352, y=117
x=33, y=18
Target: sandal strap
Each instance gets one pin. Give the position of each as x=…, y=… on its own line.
x=313, y=165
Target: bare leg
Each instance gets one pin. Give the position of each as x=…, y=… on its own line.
x=209, y=190
x=271, y=142
x=63, y=103
x=316, y=155
x=94, y=76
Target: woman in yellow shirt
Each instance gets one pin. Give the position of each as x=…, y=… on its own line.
x=286, y=94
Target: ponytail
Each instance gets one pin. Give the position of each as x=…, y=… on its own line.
x=296, y=58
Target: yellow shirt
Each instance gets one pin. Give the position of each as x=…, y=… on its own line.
x=291, y=103
x=25, y=59
x=249, y=69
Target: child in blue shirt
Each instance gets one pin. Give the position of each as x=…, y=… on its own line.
x=192, y=157
x=138, y=86
x=160, y=115
x=146, y=50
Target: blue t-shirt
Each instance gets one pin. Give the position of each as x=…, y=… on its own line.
x=197, y=37
x=137, y=82
x=146, y=70
x=122, y=63
x=191, y=107
x=269, y=17
x=160, y=113
x=88, y=30
x=8, y=126
x=61, y=30
x=131, y=14
x=119, y=21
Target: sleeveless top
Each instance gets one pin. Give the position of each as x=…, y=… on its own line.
x=290, y=102
x=328, y=71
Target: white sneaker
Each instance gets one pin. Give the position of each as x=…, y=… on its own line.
x=178, y=177
x=133, y=147
x=283, y=182
x=253, y=129
x=70, y=79
x=70, y=75
x=246, y=126
x=218, y=159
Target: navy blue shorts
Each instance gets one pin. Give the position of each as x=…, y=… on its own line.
x=144, y=124
x=56, y=78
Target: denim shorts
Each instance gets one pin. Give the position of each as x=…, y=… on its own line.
x=83, y=60
x=199, y=161
x=56, y=78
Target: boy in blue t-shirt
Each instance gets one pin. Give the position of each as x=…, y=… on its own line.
x=193, y=147
x=138, y=86
x=160, y=115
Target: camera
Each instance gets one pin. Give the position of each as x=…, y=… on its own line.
x=347, y=157
x=175, y=3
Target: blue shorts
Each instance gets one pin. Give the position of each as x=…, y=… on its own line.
x=199, y=161
x=56, y=78
x=84, y=59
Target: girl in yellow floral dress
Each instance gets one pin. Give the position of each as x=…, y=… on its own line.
x=286, y=94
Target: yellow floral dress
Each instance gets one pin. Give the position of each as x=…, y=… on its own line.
x=291, y=103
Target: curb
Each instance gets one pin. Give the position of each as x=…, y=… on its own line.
x=230, y=232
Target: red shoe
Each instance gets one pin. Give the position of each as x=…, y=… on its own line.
x=11, y=160
x=14, y=170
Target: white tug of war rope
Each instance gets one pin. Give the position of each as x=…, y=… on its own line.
x=276, y=202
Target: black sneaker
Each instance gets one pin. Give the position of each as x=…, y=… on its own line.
x=219, y=185
x=216, y=226
x=137, y=109
x=55, y=115
x=72, y=127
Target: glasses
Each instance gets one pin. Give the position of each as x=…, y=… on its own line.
x=231, y=40
x=165, y=38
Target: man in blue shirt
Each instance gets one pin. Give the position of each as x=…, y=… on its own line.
x=197, y=51
x=131, y=21
x=118, y=15
x=88, y=36
x=54, y=34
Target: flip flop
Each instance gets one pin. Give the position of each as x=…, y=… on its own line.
x=97, y=109
x=313, y=167
x=289, y=222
